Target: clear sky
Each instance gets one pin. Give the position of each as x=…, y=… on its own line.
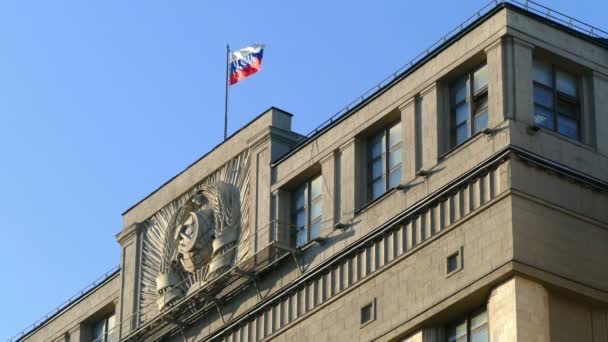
x=101, y=102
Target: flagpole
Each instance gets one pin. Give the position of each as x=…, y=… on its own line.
x=226, y=96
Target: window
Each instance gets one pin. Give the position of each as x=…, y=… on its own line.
x=103, y=330
x=452, y=263
x=366, y=313
x=384, y=169
x=469, y=103
x=556, y=99
x=474, y=328
x=307, y=211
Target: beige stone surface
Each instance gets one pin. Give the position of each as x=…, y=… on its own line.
x=77, y=319
x=533, y=235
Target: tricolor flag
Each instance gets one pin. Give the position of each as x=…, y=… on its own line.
x=245, y=62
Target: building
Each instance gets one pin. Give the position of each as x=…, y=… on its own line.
x=464, y=199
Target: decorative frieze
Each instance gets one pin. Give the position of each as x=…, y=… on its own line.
x=397, y=240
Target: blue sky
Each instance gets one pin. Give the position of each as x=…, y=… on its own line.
x=101, y=102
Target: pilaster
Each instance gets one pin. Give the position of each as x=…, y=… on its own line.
x=130, y=240
x=430, y=126
x=78, y=334
x=409, y=137
x=518, y=310
x=499, y=105
x=260, y=181
x=600, y=110
x=328, y=172
x=349, y=176
x=521, y=71
x=282, y=220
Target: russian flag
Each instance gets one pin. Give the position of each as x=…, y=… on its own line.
x=245, y=62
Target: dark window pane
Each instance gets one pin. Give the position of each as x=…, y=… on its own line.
x=543, y=96
x=395, y=178
x=366, y=313
x=459, y=90
x=566, y=108
x=567, y=126
x=299, y=197
x=394, y=158
x=480, y=78
x=462, y=133
x=481, y=103
x=98, y=330
x=394, y=135
x=452, y=263
x=462, y=113
x=378, y=188
x=457, y=333
x=479, y=320
x=543, y=117
x=315, y=209
x=316, y=187
x=377, y=168
x=565, y=83
x=315, y=229
x=376, y=146
x=480, y=335
x=541, y=72
x=301, y=218
x=481, y=121
x=479, y=327
x=302, y=237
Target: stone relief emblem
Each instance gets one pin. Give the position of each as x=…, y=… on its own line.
x=197, y=237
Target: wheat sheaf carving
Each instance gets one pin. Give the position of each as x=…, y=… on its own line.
x=195, y=237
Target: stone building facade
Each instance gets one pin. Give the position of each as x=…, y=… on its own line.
x=465, y=200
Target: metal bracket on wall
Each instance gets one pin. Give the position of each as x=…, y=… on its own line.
x=295, y=259
x=216, y=303
x=251, y=276
x=294, y=255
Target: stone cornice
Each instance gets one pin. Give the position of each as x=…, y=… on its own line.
x=406, y=103
x=491, y=163
x=498, y=42
x=521, y=42
x=128, y=233
x=422, y=206
x=330, y=156
x=601, y=76
x=272, y=133
x=259, y=138
x=428, y=89
x=347, y=144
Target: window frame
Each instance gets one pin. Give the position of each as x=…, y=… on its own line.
x=470, y=99
x=308, y=203
x=557, y=96
x=387, y=171
x=468, y=321
x=372, y=313
x=458, y=257
x=107, y=332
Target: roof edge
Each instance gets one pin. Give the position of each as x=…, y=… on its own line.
x=509, y=4
x=206, y=154
x=60, y=310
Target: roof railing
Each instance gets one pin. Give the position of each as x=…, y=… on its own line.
x=530, y=6
x=65, y=304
